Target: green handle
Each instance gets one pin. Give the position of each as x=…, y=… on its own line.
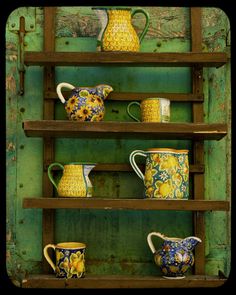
x=50, y=173
x=144, y=32
x=128, y=110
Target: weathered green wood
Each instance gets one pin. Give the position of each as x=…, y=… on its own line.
x=116, y=240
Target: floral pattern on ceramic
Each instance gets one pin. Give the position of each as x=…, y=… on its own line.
x=166, y=173
x=85, y=103
x=152, y=110
x=74, y=181
x=175, y=257
x=120, y=34
x=70, y=259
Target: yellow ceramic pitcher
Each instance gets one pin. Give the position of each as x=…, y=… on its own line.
x=119, y=34
x=74, y=181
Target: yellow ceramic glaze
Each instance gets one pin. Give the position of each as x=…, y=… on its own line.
x=152, y=110
x=155, y=110
x=74, y=181
x=119, y=34
x=70, y=259
x=166, y=173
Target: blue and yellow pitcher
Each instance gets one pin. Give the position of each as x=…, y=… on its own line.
x=84, y=103
x=166, y=173
x=175, y=257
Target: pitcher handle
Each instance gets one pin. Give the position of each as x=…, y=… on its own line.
x=144, y=32
x=50, y=173
x=128, y=110
x=63, y=85
x=133, y=163
x=47, y=257
x=149, y=240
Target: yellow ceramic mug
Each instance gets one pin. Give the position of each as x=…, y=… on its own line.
x=152, y=110
x=70, y=261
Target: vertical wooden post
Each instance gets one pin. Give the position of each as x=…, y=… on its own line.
x=198, y=146
x=48, y=143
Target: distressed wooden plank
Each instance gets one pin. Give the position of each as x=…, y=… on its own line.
x=122, y=281
x=121, y=96
x=48, y=143
x=133, y=204
x=198, y=146
x=135, y=130
x=171, y=59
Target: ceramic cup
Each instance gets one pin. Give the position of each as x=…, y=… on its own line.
x=70, y=260
x=152, y=110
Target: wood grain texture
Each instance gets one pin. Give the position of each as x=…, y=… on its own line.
x=115, y=281
x=205, y=59
x=48, y=143
x=198, y=146
x=63, y=128
x=132, y=204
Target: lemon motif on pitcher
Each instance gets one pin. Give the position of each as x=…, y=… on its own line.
x=166, y=173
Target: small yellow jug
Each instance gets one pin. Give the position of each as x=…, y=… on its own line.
x=74, y=181
x=119, y=34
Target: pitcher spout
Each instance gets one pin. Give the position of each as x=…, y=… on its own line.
x=88, y=168
x=104, y=90
x=191, y=242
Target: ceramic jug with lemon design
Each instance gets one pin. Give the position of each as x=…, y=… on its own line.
x=166, y=172
x=84, y=103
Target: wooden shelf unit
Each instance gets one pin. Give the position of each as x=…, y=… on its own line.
x=197, y=131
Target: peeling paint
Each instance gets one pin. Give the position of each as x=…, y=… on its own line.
x=11, y=83
x=9, y=236
x=10, y=147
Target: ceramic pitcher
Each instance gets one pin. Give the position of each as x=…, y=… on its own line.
x=84, y=103
x=166, y=172
x=120, y=34
x=74, y=181
x=175, y=256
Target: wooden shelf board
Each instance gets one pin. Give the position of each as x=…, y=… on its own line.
x=132, y=130
x=132, y=204
x=121, y=281
x=170, y=59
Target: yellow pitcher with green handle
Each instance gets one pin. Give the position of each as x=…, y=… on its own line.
x=119, y=34
x=74, y=181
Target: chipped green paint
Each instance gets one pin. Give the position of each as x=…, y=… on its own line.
x=116, y=239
